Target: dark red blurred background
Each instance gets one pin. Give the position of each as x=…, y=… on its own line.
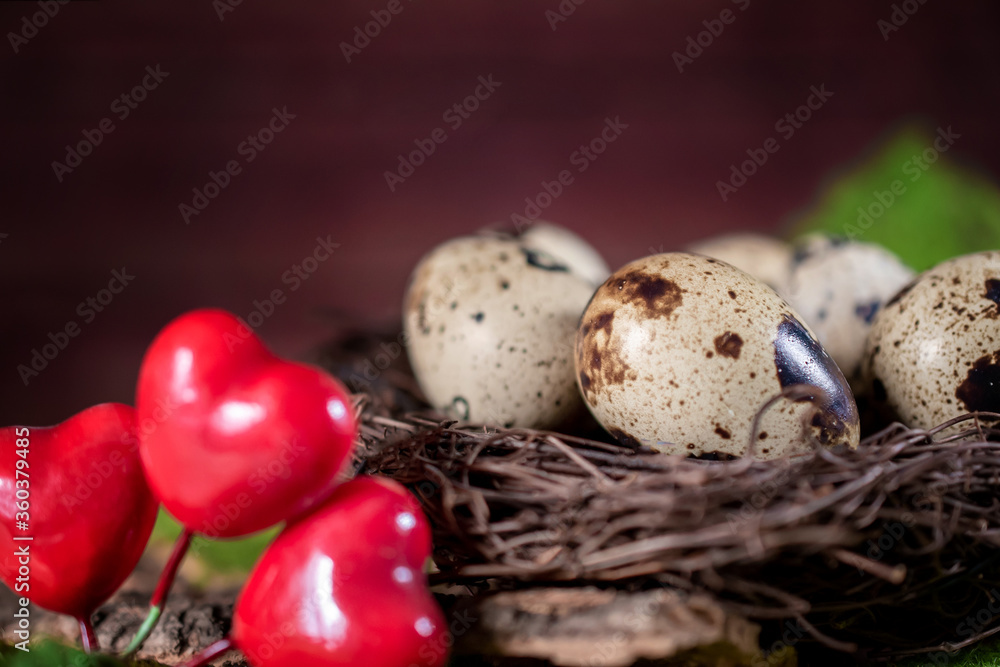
x=324, y=174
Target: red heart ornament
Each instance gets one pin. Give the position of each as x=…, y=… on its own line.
x=233, y=438
x=79, y=493
x=344, y=586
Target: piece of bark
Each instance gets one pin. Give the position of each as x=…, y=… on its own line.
x=188, y=625
x=594, y=627
x=568, y=627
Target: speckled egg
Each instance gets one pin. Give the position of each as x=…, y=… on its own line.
x=680, y=352
x=838, y=286
x=489, y=325
x=764, y=257
x=577, y=254
x=934, y=350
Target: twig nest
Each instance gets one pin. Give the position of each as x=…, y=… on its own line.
x=934, y=350
x=764, y=257
x=489, y=324
x=838, y=286
x=679, y=352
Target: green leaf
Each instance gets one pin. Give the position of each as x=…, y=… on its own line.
x=217, y=556
x=939, y=209
x=53, y=654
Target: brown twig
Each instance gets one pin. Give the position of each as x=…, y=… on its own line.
x=889, y=547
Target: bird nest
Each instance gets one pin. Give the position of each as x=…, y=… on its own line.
x=889, y=549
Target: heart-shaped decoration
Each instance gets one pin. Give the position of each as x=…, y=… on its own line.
x=233, y=438
x=75, y=510
x=344, y=586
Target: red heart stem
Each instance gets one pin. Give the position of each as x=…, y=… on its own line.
x=211, y=653
x=88, y=636
x=170, y=569
x=161, y=592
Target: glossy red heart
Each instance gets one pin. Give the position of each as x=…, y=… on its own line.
x=344, y=586
x=89, y=511
x=233, y=438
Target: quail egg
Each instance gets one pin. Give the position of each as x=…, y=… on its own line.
x=838, y=286
x=576, y=253
x=561, y=243
x=489, y=325
x=934, y=350
x=680, y=352
x=765, y=258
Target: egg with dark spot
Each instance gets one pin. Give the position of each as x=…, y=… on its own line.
x=934, y=350
x=489, y=326
x=680, y=352
x=838, y=286
x=573, y=251
x=555, y=241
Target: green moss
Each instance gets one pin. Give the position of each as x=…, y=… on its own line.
x=985, y=654
x=937, y=211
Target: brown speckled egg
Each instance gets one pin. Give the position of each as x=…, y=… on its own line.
x=681, y=351
x=838, y=286
x=489, y=326
x=934, y=350
x=764, y=257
